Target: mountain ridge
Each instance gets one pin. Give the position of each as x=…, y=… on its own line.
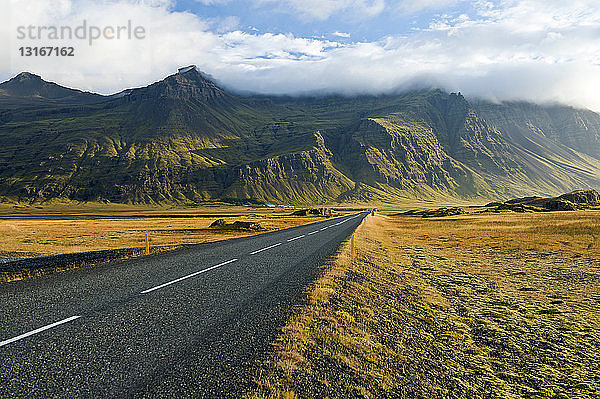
x=27, y=84
x=185, y=139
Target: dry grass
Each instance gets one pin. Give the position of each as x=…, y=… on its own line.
x=569, y=232
x=66, y=207
x=44, y=237
x=482, y=306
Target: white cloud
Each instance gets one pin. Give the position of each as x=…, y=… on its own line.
x=227, y=24
x=517, y=49
x=341, y=34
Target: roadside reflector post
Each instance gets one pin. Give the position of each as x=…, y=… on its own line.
x=352, y=247
x=147, y=245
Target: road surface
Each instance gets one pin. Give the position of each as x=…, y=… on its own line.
x=186, y=323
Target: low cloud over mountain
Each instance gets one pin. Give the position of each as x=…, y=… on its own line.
x=503, y=50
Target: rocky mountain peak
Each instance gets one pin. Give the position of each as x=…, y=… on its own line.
x=187, y=84
x=27, y=77
x=27, y=84
x=24, y=84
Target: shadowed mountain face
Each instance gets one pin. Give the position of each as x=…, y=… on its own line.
x=184, y=139
x=28, y=85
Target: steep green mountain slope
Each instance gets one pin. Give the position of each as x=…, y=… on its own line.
x=185, y=139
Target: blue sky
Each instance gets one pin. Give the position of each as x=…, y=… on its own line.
x=535, y=50
x=269, y=17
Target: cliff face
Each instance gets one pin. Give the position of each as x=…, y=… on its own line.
x=574, y=128
x=305, y=176
x=446, y=145
x=404, y=154
x=184, y=139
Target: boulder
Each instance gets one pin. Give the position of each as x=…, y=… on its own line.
x=560, y=205
x=219, y=223
x=442, y=212
x=237, y=225
x=587, y=197
x=314, y=211
x=300, y=212
x=516, y=207
x=580, y=199
x=521, y=200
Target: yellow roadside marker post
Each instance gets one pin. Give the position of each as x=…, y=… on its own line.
x=352, y=247
x=147, y=245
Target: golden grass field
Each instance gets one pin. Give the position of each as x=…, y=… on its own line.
x=476, y=306
x=19, y=237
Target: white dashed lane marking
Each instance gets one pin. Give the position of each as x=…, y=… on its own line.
x=188, y=276
x=39, y=330
x=264, y=249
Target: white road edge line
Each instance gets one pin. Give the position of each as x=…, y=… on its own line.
x=39, y=330
x=296, y=238
x=188, y=276
x=324, y=228
x=313, y=232
x=264, y=249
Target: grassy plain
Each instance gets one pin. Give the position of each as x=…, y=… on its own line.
x=31, y=230
x=476, y=306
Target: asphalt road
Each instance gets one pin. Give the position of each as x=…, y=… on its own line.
x=186, y=323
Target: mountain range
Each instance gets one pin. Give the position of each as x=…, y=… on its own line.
x=184, y=139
